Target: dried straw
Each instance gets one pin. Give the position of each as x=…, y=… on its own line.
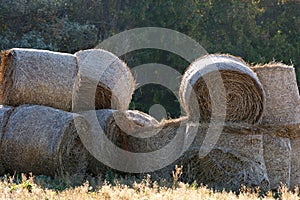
x=282, y=95
x=37, y=77
x=104, y=76
x=277, y=156
x=282, y=109
x=235, y=160
x=43, y=140
x=244, y=94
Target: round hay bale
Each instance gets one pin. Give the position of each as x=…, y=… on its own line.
x=119, y=127
x=104, y=76
x=30, y=76
x=282, y=109
x=236, y=160
x=282, y=95
x=244, y=96
x=43, y=140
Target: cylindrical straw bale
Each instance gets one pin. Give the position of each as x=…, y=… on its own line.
x=104, y=76
x=282, y=109
x=119, y=126
x=236, y=160
x=30, y=76
x=43, y=140
x=282, y=95
x=243, y=93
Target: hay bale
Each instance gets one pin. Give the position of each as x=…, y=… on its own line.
x=282, y=109
x=30, y=76
x=119, y=126
x=236, y=160
x=243, y=93
x=5, y=112
x=282, y=95
x=43, y=140
x=104, y=76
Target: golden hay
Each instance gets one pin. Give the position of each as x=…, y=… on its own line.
x=30, y=76
x=43, y=140
x=244, y=96
x=105, y=76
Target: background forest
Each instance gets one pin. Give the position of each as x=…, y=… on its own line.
x=257, y=31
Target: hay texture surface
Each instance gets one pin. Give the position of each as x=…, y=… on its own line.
x=277, y=156
x=295, y=163
x=103, y=81
x=118, y=127
x=282, y=109
x=5, y=112
x=30, y=76
x=243, y=93
x=236, y=159
x=282, y=95
x=43, y=140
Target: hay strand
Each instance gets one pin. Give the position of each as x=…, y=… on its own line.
x=105, y=76
x=30, y=76
x=244, y=95
x=43, y=140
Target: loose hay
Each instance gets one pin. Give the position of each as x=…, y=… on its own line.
x=43, y=140
x=282, y=109
x=104, y=74
x=119, y=126
x=30, y=76
x=244, y=93
x=282, y=95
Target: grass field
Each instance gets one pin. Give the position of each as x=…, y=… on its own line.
x=42, y=187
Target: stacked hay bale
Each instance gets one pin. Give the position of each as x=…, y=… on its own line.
x=29, y=76
x=117, y=127
x=103, y=81
x=43, y=137
x=43, y=140
x=53, y=75
x=282, y=114
x=214, y=76
x=232, y=156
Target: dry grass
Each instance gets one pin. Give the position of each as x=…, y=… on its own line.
x=43, y=188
